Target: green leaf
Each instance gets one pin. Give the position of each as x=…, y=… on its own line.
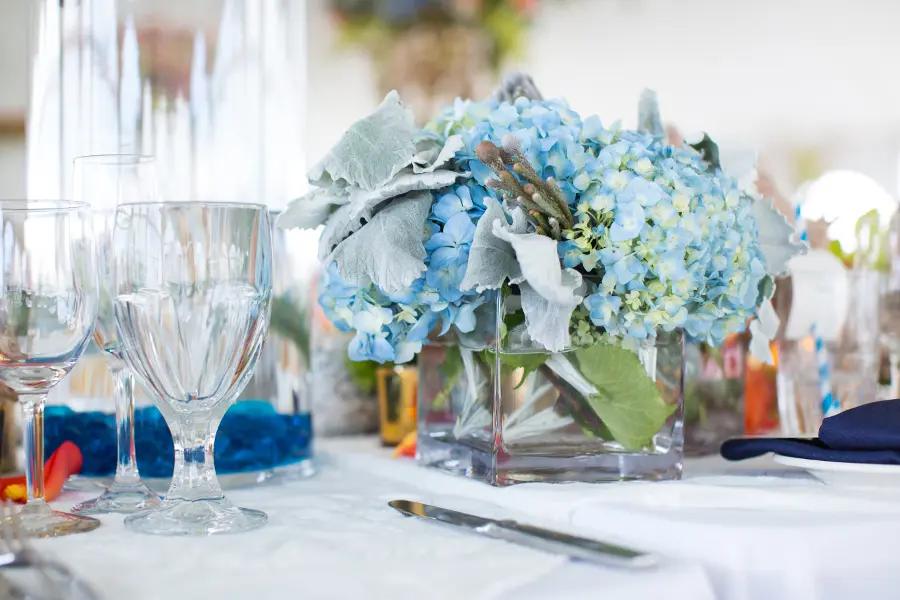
x=627, y=400
x=528, y=362
x=709, y=150
x=363, y=374
x=289, y=320
x=451, y=369
x=514, y=319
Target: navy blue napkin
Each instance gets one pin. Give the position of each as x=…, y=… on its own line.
x=866, y=434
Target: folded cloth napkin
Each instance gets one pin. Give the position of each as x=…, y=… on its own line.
x=865, y=434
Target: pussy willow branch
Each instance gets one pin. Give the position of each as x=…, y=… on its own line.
x=542, y=199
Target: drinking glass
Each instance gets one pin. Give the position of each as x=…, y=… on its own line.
x=47, y=311
x=193, y=285
x=847, y=347
x=104, y=182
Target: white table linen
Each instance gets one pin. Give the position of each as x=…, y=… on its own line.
x=729, y=532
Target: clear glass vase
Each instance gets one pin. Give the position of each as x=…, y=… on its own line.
x=501, y=409
x=714, y=394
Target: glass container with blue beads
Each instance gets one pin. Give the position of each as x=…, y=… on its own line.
x=267, y=432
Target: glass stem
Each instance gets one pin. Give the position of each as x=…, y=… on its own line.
x=194, y=477
x=33, y=417
x=126, y=466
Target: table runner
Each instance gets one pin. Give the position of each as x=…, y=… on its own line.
x=731, y=532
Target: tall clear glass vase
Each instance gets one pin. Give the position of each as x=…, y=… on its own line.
x=501, y=409
x=215, y=89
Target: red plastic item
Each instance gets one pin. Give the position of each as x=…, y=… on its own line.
x=66, y=461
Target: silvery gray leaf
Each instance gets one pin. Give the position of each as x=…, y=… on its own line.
x=364, y=202
x=517, y=85
x=539, y=261
x=388, y=250
x=760, y=348
x=649, y=120
x=311, y=210
x=428, y=148
x=768, y=319
x=453, y=145
x=338, y=227
x=492, y=260
x=372, y=151
x=775, y=235
x=547, y=321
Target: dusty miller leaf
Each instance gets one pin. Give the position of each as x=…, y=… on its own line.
x=547, y=321
x=372, y=151
x=453, y=145
x=627, y=400
x=492, y=260
x=311, y=210
x=428, y=148
x=649, y=120
x=539, y=261
x=364, y=202
x=774, y=237
x=338, y=227
x=388, y=250
x=762, y=330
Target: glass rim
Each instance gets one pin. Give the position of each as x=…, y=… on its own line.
x=115, y=159
x=193, y=204
x=42, y=206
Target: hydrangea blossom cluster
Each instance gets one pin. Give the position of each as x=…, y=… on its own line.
x=663, y=241
x=393, y=327
x=676, y=245
x=592, y=226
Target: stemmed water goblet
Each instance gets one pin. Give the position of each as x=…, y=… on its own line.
x=105, y=181
x=48, y=305
x=193, y=287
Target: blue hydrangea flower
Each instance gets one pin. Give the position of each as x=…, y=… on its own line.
x=661, y=241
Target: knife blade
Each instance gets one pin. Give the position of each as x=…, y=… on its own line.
x=556, y=542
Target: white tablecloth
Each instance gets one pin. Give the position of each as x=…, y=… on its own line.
x=731, y=532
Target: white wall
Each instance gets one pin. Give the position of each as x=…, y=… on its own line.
x=772, y=74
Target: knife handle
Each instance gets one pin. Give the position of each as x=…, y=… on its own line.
x=572, y=545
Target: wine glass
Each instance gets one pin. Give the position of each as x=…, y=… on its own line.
x=48, y=307
x=193, y=285
x=104, y=182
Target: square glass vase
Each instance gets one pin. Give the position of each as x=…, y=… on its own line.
x=498, y=407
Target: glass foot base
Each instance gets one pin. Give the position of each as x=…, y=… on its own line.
x=196, y=517
x=120, y=499
x=39, y=521
x=442, y=452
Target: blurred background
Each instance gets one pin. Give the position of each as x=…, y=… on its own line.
x=809, y=85
x=237, y=97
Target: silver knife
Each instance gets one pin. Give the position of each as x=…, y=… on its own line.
x=539, y=538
